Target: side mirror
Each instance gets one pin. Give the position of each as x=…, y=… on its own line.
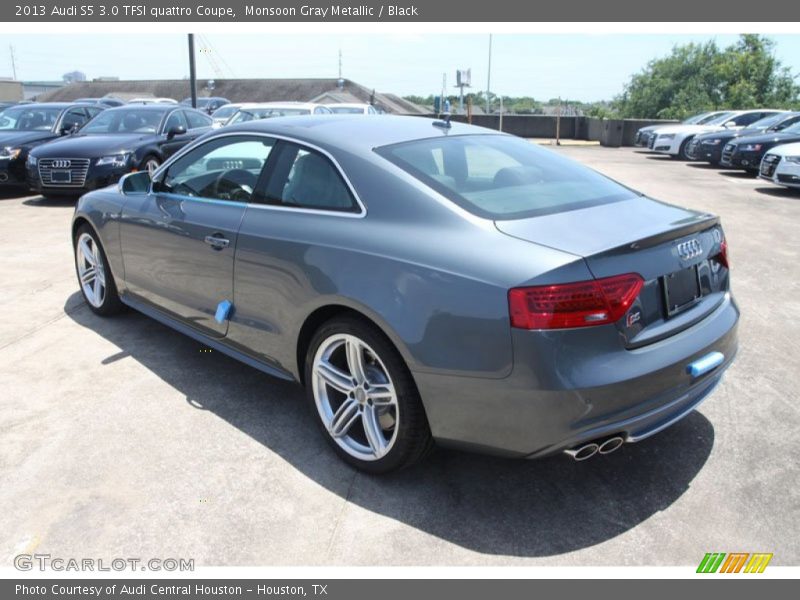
x=173, y=131
x=135, y=183
x=68, y=128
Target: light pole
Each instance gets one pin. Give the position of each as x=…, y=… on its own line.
x=192, y=72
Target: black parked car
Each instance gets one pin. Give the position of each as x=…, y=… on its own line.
x=708, y=147
x=117, y=141
x=208, y=105
x=746, y=152
x=26, y=126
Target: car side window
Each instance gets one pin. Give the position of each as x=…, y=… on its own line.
x=175, y=119
x=226, y=168
x=305, y=178
x=74, y=117
x=93, y=110
x=197, y=120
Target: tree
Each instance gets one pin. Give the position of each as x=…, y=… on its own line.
x=698, y=77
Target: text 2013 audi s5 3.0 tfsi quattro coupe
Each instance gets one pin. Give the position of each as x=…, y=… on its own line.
x=427, y=282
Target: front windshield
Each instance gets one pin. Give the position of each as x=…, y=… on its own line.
x=719, y=120
x=696, y=118
x=792, y=129
x=24, y=118
x=128, y=120
x=705, y=118
x=255, y=114
x=503, y=177
x=767, y=121
x=224, y=112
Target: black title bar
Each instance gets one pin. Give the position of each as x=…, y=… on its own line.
x=411, y=11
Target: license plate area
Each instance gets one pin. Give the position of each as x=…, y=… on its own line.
x=681, y=290
x=61, y=176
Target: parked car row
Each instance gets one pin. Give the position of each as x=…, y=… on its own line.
x=762, y=142
x=67, y=149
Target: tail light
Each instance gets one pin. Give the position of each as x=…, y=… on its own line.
x=580, y=304
x=722, y=257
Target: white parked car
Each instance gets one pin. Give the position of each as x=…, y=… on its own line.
x=781, y=165
x=674, y=139
x=149, y=100
x=223, y=113
x=644, y=134
x=343, y=108
x=269, y=110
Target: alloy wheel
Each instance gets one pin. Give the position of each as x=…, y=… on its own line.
x=91, y=272
x=355, y=397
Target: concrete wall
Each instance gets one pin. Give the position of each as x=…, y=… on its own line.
x=609, y=132
x=10, y=91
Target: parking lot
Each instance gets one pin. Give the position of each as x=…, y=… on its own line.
x=122, y=438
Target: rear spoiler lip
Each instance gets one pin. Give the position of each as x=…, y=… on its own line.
x=682, y=228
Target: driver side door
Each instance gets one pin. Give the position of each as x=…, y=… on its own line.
x=179, y=239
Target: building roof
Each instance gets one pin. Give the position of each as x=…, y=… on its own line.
x=242, y=90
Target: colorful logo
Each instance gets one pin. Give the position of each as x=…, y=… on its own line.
x=734, y=562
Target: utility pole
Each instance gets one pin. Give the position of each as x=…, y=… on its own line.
x=340, y=63
x=192, y=71
x=489, y=77
x=13, y=62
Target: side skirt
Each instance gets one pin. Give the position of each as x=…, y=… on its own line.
x=210, y=342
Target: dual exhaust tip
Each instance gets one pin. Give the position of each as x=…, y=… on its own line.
x=587, y=451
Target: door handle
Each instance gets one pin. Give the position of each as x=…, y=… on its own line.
x=217, y=242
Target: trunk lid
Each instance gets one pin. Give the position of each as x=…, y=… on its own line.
x=670, y=247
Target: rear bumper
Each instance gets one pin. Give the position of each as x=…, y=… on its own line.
x=561, y=395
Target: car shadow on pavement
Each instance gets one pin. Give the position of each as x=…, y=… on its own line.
x=41, y=201
x=489, y=505
x=779, y=192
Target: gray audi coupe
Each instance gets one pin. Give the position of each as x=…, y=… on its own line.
x=428, y=283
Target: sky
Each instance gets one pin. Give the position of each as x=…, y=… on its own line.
x=575, y=66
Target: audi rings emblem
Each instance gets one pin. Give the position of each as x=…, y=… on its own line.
x=689, y=250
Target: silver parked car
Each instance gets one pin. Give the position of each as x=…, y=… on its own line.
x=426, y=282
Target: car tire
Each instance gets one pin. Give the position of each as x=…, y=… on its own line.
x=364, y=397
x=150, y=163
x=95, y=279
x=682, y=150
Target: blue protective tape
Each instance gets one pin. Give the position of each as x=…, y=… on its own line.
x=705, y=364
x=223, y=311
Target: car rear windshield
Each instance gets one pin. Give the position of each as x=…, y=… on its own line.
x=503, y=177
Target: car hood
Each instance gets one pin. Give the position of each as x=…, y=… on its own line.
x=727, y=134
x=598, y=229
x=769, y=138
x=92, y=146
x=787, y=149
x=655, y=127
x=696, y=129
x=20, y=138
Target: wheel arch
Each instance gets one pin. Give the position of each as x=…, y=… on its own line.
x=328, y=311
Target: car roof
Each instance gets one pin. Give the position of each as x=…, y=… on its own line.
x=155, y=107
x=57, y=105
x=287, y=104
x=354, y=132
